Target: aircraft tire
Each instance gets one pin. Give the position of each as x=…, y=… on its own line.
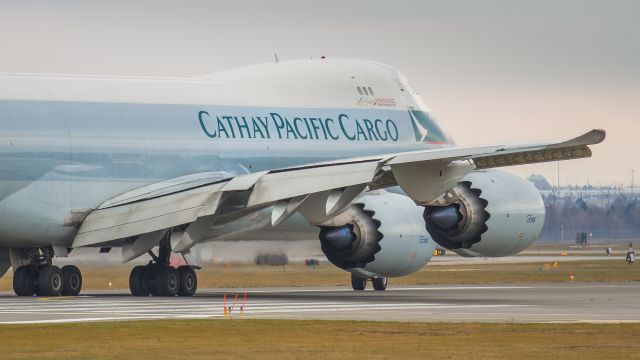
x=138, y=282
x=188, y=281
x=380, y=283
x=50, y=281
x=358, y=283
x=72, y=278
x=167, y=281
x=24, y=283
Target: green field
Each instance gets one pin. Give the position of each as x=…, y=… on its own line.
x=291, y=339
x=294, y=339
x=243, y=276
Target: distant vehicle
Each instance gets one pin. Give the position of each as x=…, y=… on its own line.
x=272, y=259
x=274, y=151
x=312, y=262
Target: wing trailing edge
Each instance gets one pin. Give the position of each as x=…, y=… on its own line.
x=318, y=191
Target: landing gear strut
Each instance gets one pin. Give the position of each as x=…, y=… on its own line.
x=40, y=277
x=360, y=283
x=158, y=278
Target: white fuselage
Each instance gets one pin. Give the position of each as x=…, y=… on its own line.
x=70, y=143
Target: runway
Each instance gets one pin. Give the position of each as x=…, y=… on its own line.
x=569, y=302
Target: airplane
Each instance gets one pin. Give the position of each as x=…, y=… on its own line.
x=344, y=151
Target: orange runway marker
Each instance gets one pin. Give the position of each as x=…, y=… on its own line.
x=225, y=305
x=244, y=300
x=234, y=304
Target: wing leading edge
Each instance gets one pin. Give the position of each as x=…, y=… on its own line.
x=318, y=191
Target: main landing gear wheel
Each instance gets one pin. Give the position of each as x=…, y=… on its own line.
x=163, y=280
x=188, y=281
x=38, y=276
x=72, y=280
x=358, y=283
x=138, y=283
x=24, y=281
x=158, y=278
x=379, y=283
x=50, y=281
x=167, y=281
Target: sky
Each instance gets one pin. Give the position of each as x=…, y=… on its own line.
x=491, y=71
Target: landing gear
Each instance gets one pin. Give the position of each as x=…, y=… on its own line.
x=360, y=283
x=167, y=281
x=72, y=280
x=158, y=278
x=50, y=281
x=40, y=277
x=138, y=283
x=24, y=281
x=379, y=283
x=47, y=280
x=188, y=281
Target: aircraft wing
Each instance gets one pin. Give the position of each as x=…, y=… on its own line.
x=141, y=217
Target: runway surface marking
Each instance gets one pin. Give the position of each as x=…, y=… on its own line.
x=103, y=310
x=430, y=288
x=585, y=302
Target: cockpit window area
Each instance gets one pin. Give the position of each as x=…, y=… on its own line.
x=365, y=90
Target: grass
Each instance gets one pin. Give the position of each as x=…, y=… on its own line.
x=243, y=275
x=296, y=339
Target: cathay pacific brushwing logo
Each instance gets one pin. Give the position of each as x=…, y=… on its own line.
x=426, y=130
x=419, y=129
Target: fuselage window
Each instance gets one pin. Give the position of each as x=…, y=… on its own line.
x=370, y=91
x=365, y=90
x=359, y=90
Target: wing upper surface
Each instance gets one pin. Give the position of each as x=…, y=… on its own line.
x=184, y=200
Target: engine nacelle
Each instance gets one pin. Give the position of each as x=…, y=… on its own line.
x=489, y=213
x=381, y=234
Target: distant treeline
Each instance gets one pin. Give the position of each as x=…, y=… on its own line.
x=618, y=219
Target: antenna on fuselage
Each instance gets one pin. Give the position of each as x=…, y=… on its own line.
x=275, y=54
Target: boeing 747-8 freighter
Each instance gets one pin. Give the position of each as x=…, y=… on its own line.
x=276, y=151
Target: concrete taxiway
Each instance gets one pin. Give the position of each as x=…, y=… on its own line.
x=568, y=302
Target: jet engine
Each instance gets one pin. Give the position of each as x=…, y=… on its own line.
x=489, y=213
x=381, y=235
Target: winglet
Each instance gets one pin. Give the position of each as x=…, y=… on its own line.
x=592, y=137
